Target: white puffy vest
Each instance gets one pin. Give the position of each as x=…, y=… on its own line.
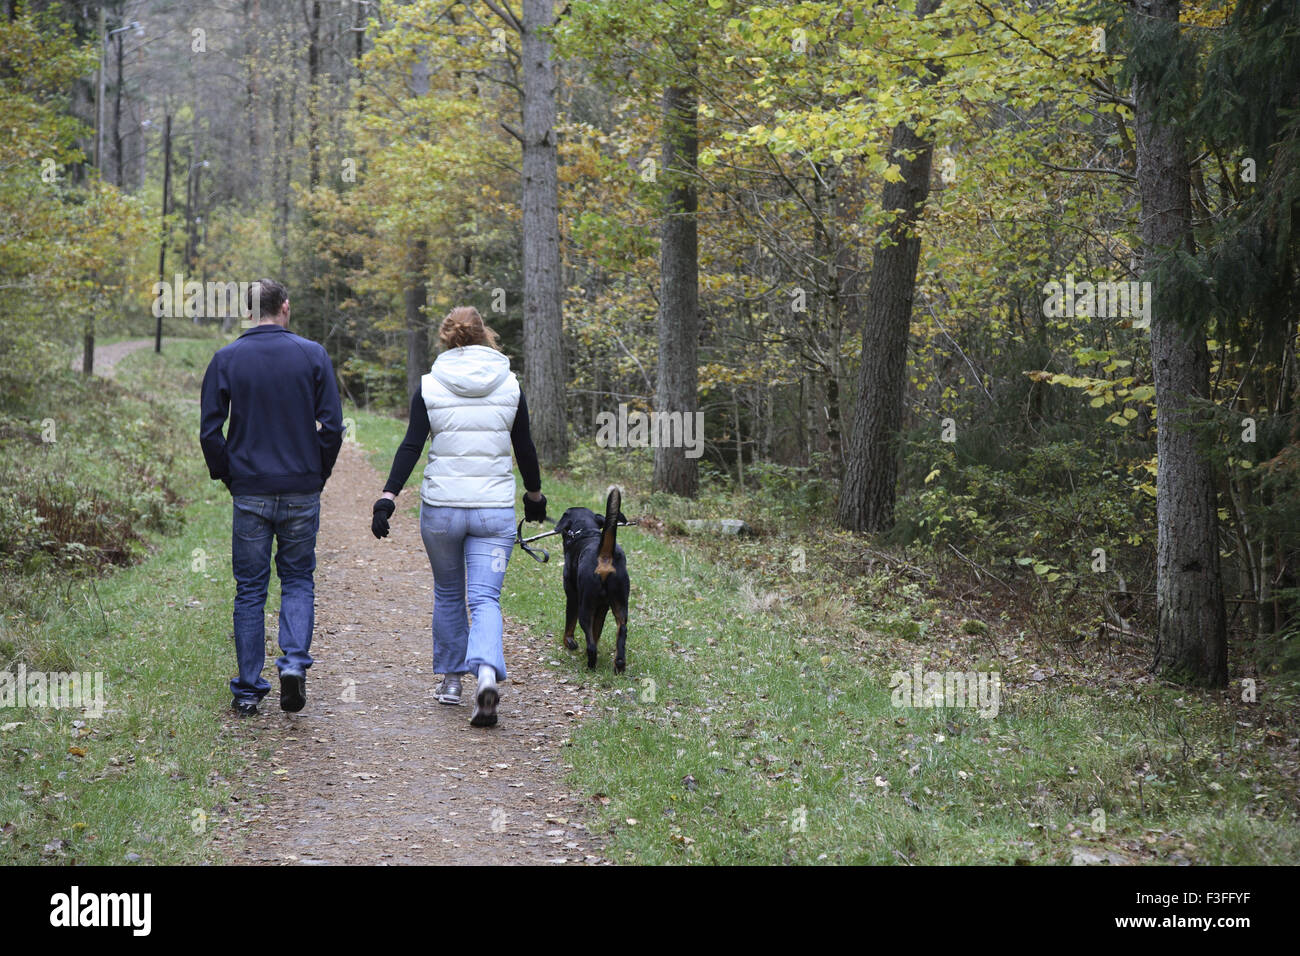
x=471, y=396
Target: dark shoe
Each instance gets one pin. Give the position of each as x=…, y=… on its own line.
x=244, y=708
x=448, y=691
x=293, y=692
x=485, y=699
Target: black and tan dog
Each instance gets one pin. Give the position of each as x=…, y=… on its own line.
x=595, y=576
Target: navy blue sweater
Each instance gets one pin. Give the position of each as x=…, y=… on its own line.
x=275, y=386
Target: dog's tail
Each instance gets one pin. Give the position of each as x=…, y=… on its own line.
x=608, y=534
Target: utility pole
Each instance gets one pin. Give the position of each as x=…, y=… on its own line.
x=162, y=244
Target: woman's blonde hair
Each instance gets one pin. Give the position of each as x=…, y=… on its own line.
x=464, y=326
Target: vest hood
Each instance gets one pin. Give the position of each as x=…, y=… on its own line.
x=471, y=371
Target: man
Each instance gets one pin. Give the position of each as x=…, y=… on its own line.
x=286, y=428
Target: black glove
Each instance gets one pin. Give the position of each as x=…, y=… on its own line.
x=535, y=510
x=384, y=509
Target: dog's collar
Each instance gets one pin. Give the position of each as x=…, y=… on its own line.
x=574, y=535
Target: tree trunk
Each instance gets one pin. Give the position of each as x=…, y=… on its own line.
x=545, y=374
x=164, y=231
x=679, y=307
x=117, y=119
x=740, y=444
x=252, y=115
x=192, y=212
x=871, y=468
x=359, y=34
x=846, y=281
x=416, y=298
x=285, y=145
x=416, y=294
x=88, y=346
x=1191, y=638
x=811, y=413
x=313, y=93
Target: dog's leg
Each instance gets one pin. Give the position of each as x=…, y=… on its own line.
x=598, y=623
x=570, y=619
x=584, y=621
x=620, y=652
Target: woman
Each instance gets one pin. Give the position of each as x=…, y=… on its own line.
x=471, y=404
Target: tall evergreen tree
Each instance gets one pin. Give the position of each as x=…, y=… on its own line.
x=1248, y=271
x=1191, y=639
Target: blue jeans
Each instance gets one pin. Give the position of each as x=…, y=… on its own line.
x=293, y=521
x=467, y=622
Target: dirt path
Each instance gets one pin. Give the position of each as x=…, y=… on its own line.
x=374, y=770
x=107, y=356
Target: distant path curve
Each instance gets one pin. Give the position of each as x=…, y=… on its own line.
x=107, y=356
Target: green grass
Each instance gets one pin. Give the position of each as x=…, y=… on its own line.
x=147, y=778
x=755, y=723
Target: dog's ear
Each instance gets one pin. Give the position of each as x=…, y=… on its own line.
x=563, y=524
x=622, y=518
x=600, y=520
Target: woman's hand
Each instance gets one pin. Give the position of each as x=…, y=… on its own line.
x=383, y=510
x=534, y=506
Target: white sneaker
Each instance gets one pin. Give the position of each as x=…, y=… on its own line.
x=485, y=698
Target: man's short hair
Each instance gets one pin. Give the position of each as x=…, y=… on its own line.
x=265, y=297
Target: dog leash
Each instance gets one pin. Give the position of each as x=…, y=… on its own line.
x=523, y=543
x=544, y=554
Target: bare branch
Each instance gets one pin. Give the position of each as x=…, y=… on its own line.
x=506, y=14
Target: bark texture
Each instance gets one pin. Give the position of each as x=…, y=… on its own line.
x=1191, y=638
x=545, y=373
x=679, y=302
x=871, y=465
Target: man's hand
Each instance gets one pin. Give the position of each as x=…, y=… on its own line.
x=534, y=509
x=383, y=510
